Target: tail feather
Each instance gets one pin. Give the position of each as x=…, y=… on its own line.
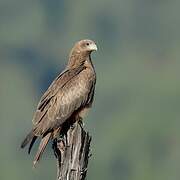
x=41, y=148
x=28, y=138
x=31, y=144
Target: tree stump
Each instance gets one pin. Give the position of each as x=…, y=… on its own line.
x=72, y=153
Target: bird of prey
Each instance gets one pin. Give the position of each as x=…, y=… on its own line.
x=68, y=97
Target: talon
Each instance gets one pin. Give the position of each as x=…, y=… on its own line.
x=61, y=144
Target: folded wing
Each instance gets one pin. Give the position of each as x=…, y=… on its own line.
x=67, y=94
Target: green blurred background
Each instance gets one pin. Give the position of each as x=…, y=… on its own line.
x=135, y=119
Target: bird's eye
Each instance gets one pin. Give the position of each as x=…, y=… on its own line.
x=87, y=44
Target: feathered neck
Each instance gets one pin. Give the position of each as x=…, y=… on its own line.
x=77, y=59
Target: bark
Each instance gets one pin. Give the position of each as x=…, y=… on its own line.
x=72, y=153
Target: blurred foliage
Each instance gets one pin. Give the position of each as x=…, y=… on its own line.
x=135, y=118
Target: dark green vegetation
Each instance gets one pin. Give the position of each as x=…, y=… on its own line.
x=135, y=119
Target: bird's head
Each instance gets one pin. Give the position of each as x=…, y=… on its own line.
x=81, y=52
x=85, y=46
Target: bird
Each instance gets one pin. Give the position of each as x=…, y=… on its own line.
x=69, y=96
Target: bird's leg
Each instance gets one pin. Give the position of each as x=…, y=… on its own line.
x=58, y=143
x=58, y=147
x=74, y=119
x=61, y=145
x=72, y=126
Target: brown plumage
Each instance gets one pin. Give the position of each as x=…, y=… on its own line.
x=69, y=96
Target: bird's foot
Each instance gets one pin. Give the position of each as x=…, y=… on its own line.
x=61, y=145
x=58, y=146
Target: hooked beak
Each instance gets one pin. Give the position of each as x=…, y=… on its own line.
x=93, y=47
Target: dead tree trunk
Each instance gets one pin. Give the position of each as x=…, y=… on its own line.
x=72, y=153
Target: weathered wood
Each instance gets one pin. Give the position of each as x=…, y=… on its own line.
x=72, y=153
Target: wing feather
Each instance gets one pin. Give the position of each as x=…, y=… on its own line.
x=70, y=91
x=48, y=99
